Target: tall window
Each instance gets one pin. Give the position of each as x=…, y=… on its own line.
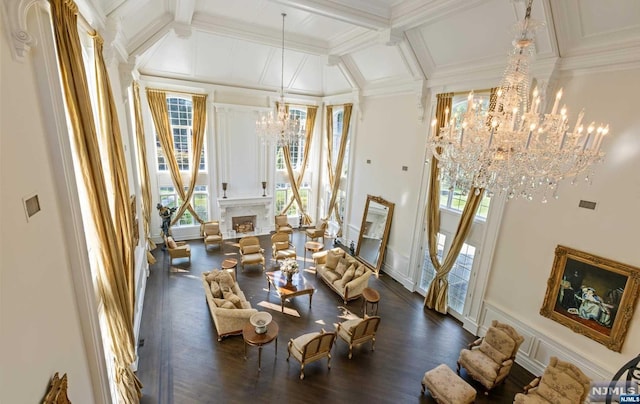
x=338, y=122
x=180, y=112
x=284, y=193
x=180, y=118
x=428, y=271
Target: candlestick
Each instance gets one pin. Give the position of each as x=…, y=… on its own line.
x=264, y=187
x=224, y=189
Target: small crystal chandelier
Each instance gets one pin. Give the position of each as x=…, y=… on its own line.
x=283, y=128
x=514, y=149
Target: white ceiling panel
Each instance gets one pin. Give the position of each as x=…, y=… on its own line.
x=600, y=18
x=213, y=56
x=309, y=77
x=273, y=72
x=380, y=62
x=334, y=81
x=173, y=55
x=470, y=35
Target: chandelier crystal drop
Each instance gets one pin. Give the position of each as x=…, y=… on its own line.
x=282, y=128
x=514, y=148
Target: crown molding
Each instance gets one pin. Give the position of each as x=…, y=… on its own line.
x=378, y=19
x=607, y=59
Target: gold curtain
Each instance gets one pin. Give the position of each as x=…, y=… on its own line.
x=334, y=176
x=158, y=104
x=437, y=295
x=295, y=184
x=110, y=131
x=143, y=168
x=111, y=283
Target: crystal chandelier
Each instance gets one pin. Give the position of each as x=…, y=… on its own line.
x=281, y=129
x=514, y=148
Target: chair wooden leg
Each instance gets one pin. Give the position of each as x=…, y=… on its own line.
x=458, y=367
x=350, y=351
x=301, y=371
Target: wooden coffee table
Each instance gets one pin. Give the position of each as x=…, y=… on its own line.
x=251, y=337
x=287, y=290
x=370, y=297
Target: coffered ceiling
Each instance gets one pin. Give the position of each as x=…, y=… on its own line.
x=375, y=46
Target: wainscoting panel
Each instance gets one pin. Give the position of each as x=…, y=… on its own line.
x=537, y=348
x=397, y=266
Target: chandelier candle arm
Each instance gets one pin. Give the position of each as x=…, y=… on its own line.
x=515, y=148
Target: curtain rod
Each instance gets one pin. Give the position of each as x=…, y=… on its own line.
x=174, y=91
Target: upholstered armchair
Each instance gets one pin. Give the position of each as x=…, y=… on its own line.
x=211, y=233
x=489, y=359
x=561, y=382
x=359, y=331
x=177, y=249
x=282, y=225
x=318, y=231
x=250, y=252
x=281, y=248
x=311, y=347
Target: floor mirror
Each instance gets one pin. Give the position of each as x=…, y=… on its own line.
x=374, y=232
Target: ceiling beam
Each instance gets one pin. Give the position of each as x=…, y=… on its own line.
x=184, y=10
x=341, y=12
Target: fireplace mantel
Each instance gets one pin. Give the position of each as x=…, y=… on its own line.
x=244, y=201
x=260, y=206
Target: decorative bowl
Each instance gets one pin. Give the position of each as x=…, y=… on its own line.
x=260, y=320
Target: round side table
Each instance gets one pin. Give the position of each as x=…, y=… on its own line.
x=254, y=339
x=370, y=297
x=230, y=264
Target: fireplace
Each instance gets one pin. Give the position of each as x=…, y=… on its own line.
x=243, y=224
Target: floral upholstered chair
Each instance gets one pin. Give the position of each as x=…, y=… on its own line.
x=489, y=359
x=561, y=383
x=311, y=347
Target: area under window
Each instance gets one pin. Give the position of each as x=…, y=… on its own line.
x=199, y=201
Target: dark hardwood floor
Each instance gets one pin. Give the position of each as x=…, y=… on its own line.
x=181, y=360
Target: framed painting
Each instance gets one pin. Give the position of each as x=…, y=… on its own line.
x=591, y=295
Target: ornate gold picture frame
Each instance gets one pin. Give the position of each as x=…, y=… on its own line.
x=591, y=295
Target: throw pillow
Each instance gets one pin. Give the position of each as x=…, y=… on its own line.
x=171, y=242
x=218, y=301
x=341, y=268
x=251, y=249
x=332, y=259
x=491, y=352
x=360, y=271
x=348, y=275
x=213, y=275
x=226, y=280
x=228, y=305
x=215, y=289
x=233, y=298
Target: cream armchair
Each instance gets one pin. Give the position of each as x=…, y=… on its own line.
x=281, y=248
x=282, y=225
x=311, y=347
x=317, y=232
x=211, y=234
x=250, y=252
x=562, y=382
x=359, y=331
x=489, y=359
x=177, y=249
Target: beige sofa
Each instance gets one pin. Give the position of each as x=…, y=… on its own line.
x=229, y=308
x=343, y=273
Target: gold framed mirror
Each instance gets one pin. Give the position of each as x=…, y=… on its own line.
x=374, y=232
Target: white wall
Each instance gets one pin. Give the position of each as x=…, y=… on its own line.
x=40, y=328
x=391, y=136
x=531, y=230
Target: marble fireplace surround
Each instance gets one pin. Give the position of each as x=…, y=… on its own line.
x=245, y=206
